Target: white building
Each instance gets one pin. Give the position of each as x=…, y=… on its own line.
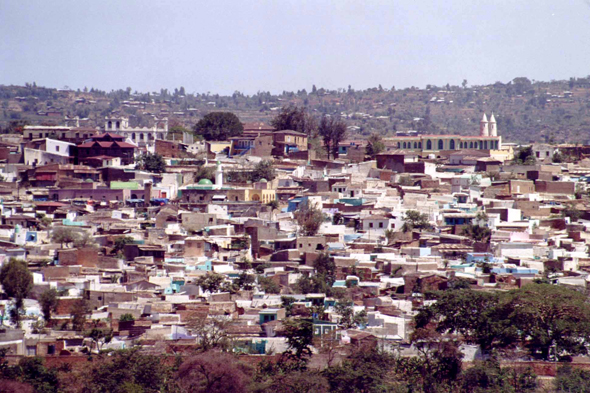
x=141, y=136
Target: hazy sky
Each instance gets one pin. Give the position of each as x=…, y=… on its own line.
x=250, y=45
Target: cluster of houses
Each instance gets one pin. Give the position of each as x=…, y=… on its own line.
x=156, y=238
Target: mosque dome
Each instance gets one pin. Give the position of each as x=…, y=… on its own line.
x=205, y=182
x=263, y=180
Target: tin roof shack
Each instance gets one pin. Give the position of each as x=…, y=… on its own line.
x=132, y=251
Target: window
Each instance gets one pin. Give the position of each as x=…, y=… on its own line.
x=452, y=145
x=429, y=145
x=51, y=349
x=380, y=225
x=56, y=148
x=440, y=144
x=370, y=225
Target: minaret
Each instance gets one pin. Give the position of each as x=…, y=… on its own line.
x=483, y=126
x=218, y=175
x=493, y=127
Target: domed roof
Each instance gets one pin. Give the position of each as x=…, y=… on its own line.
x=88, y=181
x=205, y=182
x=263, y=180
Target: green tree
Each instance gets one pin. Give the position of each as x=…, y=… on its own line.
x=126, y=318
x=477, y=233
x=525, y=156
x=210, y=282
x=63, y=235
x=325, y=268
x=571, y=211
x=204, y=172
x=488, y=376
x=349, y=319
x=48, y=301
x=309, y=218
x=299, y=335
x=480, y=318
x=100, y=337
x=151, y=162
x=32, y=370
x=268, y=285
x=246, y=281
x=367, y=370
x=375, y=145
x=274, y=204
x=120, y=242
x=413, y=219
x=332, y=131
x=219, y=126
x=17, y=282
x=572, y=380
x=211, y=333
x=294, y=118
x=127, y=371
x=553, y=322
x=86, y=240
x=80, y=309
x=263, y=170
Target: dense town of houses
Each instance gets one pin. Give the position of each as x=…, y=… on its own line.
x=179, y=229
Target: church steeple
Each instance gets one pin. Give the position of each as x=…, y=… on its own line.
x=493, y=127
x=483, y=126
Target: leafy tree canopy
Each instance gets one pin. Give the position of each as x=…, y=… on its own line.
x=294, y=118
x=17, y=282
x=151, y=162
x=263, y=170
x=309, y=218
x=219, y=126
x=375, y=145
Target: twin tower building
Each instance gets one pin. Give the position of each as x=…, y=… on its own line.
x=488, y=128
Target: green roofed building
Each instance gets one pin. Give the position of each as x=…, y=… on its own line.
x=125, y=185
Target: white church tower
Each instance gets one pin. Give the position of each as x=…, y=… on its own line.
x=218, y=176
x=483, y=126
x=493, y=127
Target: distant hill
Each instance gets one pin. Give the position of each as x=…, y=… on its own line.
x=525, y=110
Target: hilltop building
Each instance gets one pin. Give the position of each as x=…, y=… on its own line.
x=487, y=139
x=142, y=136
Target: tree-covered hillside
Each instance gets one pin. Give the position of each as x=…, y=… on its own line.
x=525, y=110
